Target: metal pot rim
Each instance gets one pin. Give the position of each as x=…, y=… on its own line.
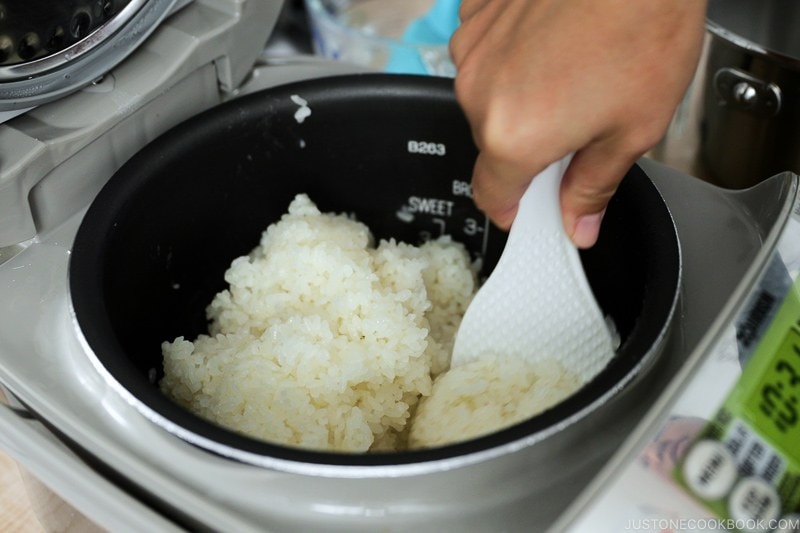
x=726, y=35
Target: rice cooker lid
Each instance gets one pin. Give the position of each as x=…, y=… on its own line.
x=49, y=48
x=766, y=27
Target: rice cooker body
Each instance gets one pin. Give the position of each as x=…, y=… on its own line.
x=397, y=152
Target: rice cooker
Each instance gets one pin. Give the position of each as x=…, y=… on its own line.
x=109, y=192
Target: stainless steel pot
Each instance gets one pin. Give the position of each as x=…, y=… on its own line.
x=153, y=247
x=750, y=128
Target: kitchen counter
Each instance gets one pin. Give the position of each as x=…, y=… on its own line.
x=16, y=514
x=18, y=489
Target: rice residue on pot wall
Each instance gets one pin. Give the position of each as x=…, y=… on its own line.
x=327, y=342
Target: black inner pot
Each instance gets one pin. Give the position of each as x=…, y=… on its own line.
x=153, y=247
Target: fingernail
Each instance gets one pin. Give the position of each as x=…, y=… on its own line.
x=587, y=228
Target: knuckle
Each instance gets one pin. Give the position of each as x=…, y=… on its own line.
x=593, y=193
x=468, y=8
x=464, y=85
x=505, y=135
x=465, y=9
x=456, y=47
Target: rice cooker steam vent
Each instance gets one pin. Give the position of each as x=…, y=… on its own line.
x=49, y=49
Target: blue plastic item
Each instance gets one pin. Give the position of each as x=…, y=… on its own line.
x=433, y=28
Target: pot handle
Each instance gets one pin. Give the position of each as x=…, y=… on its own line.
x=743, y=92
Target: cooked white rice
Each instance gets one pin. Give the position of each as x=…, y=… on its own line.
x=486, y=395
x=324, y=341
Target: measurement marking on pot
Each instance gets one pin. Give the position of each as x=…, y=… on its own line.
x=471, y=227
x=442, y=225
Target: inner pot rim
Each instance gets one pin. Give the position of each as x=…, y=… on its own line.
x=98, y=335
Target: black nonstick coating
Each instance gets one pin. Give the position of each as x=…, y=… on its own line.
x=152, y=249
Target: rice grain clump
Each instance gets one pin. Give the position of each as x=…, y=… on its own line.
x=323, y=340
x=486, y=395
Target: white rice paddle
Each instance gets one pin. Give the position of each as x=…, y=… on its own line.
x=537, y=303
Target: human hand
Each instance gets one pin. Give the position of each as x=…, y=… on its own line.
x=538, y=79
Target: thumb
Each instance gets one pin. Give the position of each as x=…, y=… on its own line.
x=588, y=184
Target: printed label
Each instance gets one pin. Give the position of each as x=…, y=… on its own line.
x=426, y=148
x=430, y=206
x=462, y=188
